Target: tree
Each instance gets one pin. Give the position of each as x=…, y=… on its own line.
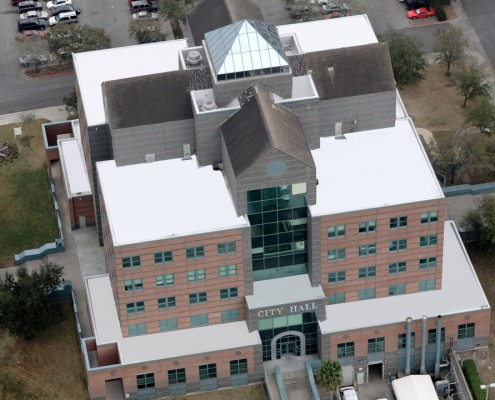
x=35, y=46
x=329, y=376
x=27, y=119
x=408, y=61
x=449, y=44
x=70, y=103
x=175, y=11
x=146, y=31
x=65, y=39
x=471, y=81
x=25, y=304
x=480, y=222
x=482, y=115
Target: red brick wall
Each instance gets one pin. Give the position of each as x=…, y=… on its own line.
x=83, y=206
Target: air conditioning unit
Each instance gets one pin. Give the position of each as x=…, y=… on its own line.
x=194, y=57
x=442, y=386
x=209, y=105
x=150, y=158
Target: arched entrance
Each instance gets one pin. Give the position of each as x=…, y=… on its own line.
x=290, y=342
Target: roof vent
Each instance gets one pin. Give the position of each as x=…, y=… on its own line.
x=194, y=57
x=209, y=105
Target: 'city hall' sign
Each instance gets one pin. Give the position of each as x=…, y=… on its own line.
x=273, y=312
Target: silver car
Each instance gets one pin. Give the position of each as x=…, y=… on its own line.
x=34, y=14
x=32, y=59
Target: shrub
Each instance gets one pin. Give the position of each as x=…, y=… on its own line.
x=441, y=15
x=473, y=379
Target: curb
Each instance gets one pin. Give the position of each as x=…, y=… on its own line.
x=28, y=78
x=416, y=24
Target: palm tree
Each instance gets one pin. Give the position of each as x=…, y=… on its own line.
x=329, y=376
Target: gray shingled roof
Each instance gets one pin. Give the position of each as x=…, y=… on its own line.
x=146, y=100
x=356, y=71
x=260, y=126
x=209, y=15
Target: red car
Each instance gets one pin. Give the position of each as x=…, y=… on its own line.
x=421, y=12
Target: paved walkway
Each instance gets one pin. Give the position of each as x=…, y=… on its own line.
x=56, y=113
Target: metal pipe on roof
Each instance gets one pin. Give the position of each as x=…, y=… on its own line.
x=422, y=366
x=408, y=346
x=439, y=339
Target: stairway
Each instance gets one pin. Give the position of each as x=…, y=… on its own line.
x=297, y=385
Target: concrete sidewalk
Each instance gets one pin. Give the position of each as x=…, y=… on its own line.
x=54, y=114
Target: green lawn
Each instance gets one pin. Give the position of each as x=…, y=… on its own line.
x=27, y=215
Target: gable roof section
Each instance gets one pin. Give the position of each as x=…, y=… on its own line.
x=146, y=100
x=260, y=126
x=209, y=15
x=356, y=71
x=246, y=45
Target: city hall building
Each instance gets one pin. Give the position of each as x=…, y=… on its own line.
x=260, y=191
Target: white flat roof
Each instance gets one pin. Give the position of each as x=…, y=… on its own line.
x=95, y=67
x=332, y=33
x=74, y=168
x=362, y=171
x=157, y=346
x=458, y=277
x=414, y=387
x=290, y=289
x=102, y=309
x=162, y=199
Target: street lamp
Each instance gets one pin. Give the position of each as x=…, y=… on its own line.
x=486, y=387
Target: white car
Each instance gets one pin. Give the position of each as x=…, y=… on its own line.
x=63, y=18
x=144, y=15
x=57, y=3
x=348, y=393
x=34, y=14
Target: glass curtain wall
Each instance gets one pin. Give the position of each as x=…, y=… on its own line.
x=279, y=231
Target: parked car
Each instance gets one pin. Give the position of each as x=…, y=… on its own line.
x=143, y=5
x=29, y=59
x=144, y=15
x=57, y=3
x=31, y=33
x=415, y=4
x=31, y=23
x=348, y=393
x=34, y=14
x=63, y=18
x=66, y=8
x=29, y=5
x=422, y=12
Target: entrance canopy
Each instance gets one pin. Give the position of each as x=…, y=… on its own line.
x=414, y=387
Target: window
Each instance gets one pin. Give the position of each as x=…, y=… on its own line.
x=163, y=257
x=135, y=307
x=196, y=275
x=168, y=324
x=164, y=280
x=336, y=298
x=336, y=254
x=427, y=263
x=398, y=245
x=145, y=381
x=398, y=222
x=336, y=231
x=166, y=302
x=238, y=367
x=133, y=284
x=229, y=293
x=402, y=341
x=376, y=345
x=426, y=285
x=137, y=329
x=367, y=249
x=465, y=331
x=199, y=320
x=428, y=241
x=208, y=371
x=396, y=289
x=345, y=350
x=432, y=336
x=226, y=248
x=367, y=226
x=367, y=272
x=197, y=298
x=397, y=267
x=195, y=252
x=227, y=270
x=176, y=376
x=337, y=276
x=131, y=262
x=366, y=294
x=429, y=217
x=230, y=315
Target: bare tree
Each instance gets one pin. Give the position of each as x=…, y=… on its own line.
x=450, y=45
x=471, y=81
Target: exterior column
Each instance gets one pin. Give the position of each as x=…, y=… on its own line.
x=422, y=367
x=408, y=346
x=439, y=340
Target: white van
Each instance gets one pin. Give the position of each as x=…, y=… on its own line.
x=348, y=393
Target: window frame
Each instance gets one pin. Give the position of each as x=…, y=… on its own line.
x=336, y=231
x=397, y=245
x=398, y=267
x=367, y=272
x=367, y=249
x=196, y=275
x=137, y=329
x=233, y=315
x=176, y=376
x=346, y=349
x=163, y=255
x=165, y=303
x=402, y=286
x=207, y=371
x=338, y=254
x=199, y=320
x=167, y=322
x=148, y=381
x=336, y=298
x=425, y=285
x=466, y=331
x=165, y=279
x=340, y=276
x=238, y=367
x=367, y=226
x=428, y=241
x=224, y=248
x=229, y=293
x=138, y=307
x=367, y=294
x=198, y=298
x=193, y=253
x=429, y=217
x=427, y=263
x=135, y=284
x=227, y=270
x=398, y=222
x=376, y=345
x=131, y=262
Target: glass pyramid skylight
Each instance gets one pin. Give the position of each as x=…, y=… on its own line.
x=246, y=48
